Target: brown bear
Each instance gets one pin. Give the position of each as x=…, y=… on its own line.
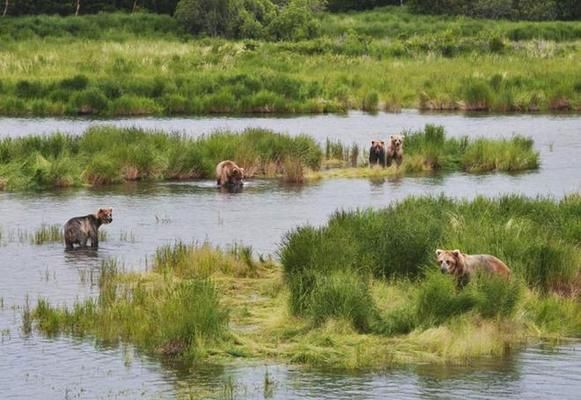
x=377, y=153
x=464, y=266
x=79, y=230
x=228, y=173
x=394, y=150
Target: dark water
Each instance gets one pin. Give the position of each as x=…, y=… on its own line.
x=146, y=216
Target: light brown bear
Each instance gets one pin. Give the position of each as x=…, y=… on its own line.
x=464, y=266
x=80, y=230
x=228, y=173
x=394, y=150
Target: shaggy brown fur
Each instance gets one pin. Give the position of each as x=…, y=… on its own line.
x=79, y=230
x=464, y=266
x=228, y=173
x=394, y=150
x=377, y=153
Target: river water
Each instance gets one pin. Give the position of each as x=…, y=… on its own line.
x=149, y=215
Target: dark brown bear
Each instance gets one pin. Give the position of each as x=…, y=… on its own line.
x=377, y=153
x=79, y=230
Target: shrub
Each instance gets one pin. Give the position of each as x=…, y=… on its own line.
x=494, y=296
x=28, y=90
x=89, y=101
x=342, y=294
x=77, y=82
x=438, y=299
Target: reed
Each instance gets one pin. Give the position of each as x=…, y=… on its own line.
x=105, y=155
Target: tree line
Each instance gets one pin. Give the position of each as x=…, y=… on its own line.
x=77, y=7
x=496, y=9
x=535, y=10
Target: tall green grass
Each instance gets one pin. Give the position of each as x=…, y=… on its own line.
x=538, y=239
x=384, y=59
x=168, y=316
x=104, y=155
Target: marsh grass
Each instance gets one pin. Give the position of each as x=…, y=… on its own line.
x=187, y=261
x=355, y=321
x=141, y=65
x=106, y=155
x=153, y=312
x=538, y=239
x=429, y=150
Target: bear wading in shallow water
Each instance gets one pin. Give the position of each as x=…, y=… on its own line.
x=464, y=266
x=394, y=150
x=377, y=153
x=228, y=173
x=80, y=230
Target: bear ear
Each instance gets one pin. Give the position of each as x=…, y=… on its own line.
x=390, y=137
x=456, y=253
x=382, y=142
x=372, y=142
x=439, y=251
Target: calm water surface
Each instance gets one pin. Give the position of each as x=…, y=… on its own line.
x=149, y=215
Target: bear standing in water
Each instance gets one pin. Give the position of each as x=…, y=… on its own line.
x=395, y=150
x=377, y=153
x=228, y=173
x=79, y=230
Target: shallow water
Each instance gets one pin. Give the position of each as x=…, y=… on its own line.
x=149, y=215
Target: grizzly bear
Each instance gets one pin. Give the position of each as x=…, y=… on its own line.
x=228, y=173
x=394, y=150
x=464, y=266
x=79, y=230
x=377, y=153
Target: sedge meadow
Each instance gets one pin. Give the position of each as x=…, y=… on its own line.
x=318, y=279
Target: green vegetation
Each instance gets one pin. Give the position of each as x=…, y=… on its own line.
x=350, y=295
x=538, y=239
x=497, y=9
x=109, y=26
x=158, y=316
x=383, y=59
x=430, y=150
x=254, y=19
x=107, y=155
x=104, y=155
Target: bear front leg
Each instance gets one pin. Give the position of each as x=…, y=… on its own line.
x=94, y=240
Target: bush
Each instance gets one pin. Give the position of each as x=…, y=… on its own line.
x=253, y=19
x=78, y=82
x=438, y=299
x=494, y=296
x=342, y=294
x=89, y=101
x=500, y=9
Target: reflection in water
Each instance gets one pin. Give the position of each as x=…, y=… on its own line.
x=158, y=214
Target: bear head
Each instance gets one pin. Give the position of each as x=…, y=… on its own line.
x=396, y=141
x=450, y=261
x=105, y=215
x=377, y=145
